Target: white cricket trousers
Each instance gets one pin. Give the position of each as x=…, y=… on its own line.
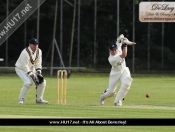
x=27, y=83
x=126, y=81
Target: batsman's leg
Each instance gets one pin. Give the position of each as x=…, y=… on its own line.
x=113, y=81
x=40, y=92
x=126, y=81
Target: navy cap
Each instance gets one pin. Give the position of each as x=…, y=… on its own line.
x=112, y=46
x=34, y=41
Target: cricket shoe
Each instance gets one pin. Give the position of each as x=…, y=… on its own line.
x=126, y=41
x=41, y=101
x=21, y=101
x=119, y=103
x=102, y=101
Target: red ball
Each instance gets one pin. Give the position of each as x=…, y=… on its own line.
x=147, y=95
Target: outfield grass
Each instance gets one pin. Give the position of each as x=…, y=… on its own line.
x=83, y=102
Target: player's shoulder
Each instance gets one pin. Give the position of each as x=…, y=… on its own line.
x=24, y=51
x=39, y=50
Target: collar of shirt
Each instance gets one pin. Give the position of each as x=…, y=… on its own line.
x=32, y=52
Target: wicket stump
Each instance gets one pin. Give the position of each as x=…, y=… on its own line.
x=61, y=86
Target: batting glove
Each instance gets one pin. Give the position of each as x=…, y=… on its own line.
x=119, y=39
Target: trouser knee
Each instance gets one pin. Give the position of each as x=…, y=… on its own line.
x=128, y=80
x=27, y=85
x=43, y=84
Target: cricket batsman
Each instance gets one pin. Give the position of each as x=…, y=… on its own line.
x=28, y=67
x=119, y=71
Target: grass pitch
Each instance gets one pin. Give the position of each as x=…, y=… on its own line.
x=83, y=93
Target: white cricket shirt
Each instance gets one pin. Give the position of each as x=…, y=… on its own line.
x=24, y=61
x=118, y=64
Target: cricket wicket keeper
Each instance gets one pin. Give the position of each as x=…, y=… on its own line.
x=28, y=67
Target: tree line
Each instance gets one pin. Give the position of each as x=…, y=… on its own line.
x=106, y=33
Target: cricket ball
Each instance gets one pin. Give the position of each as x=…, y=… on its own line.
x=147, y=95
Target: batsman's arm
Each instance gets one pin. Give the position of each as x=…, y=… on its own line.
x=124, y=52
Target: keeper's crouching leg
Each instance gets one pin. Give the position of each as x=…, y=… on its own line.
x=24, y=91
x=123, y=91
x=40, y=92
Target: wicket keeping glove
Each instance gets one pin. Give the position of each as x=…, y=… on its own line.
x=34, y=78
x=40, y=78
x=38, y=71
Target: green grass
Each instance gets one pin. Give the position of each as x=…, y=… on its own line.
x=83, y=102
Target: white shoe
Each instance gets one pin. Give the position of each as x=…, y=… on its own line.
x=21, y=101
x=119, y=103
x=41, y=101
x=102, y=101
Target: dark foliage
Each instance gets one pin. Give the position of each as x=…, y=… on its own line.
x=106, y=33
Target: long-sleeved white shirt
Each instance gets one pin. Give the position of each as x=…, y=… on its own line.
x=24, y=61
x=118, y=64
